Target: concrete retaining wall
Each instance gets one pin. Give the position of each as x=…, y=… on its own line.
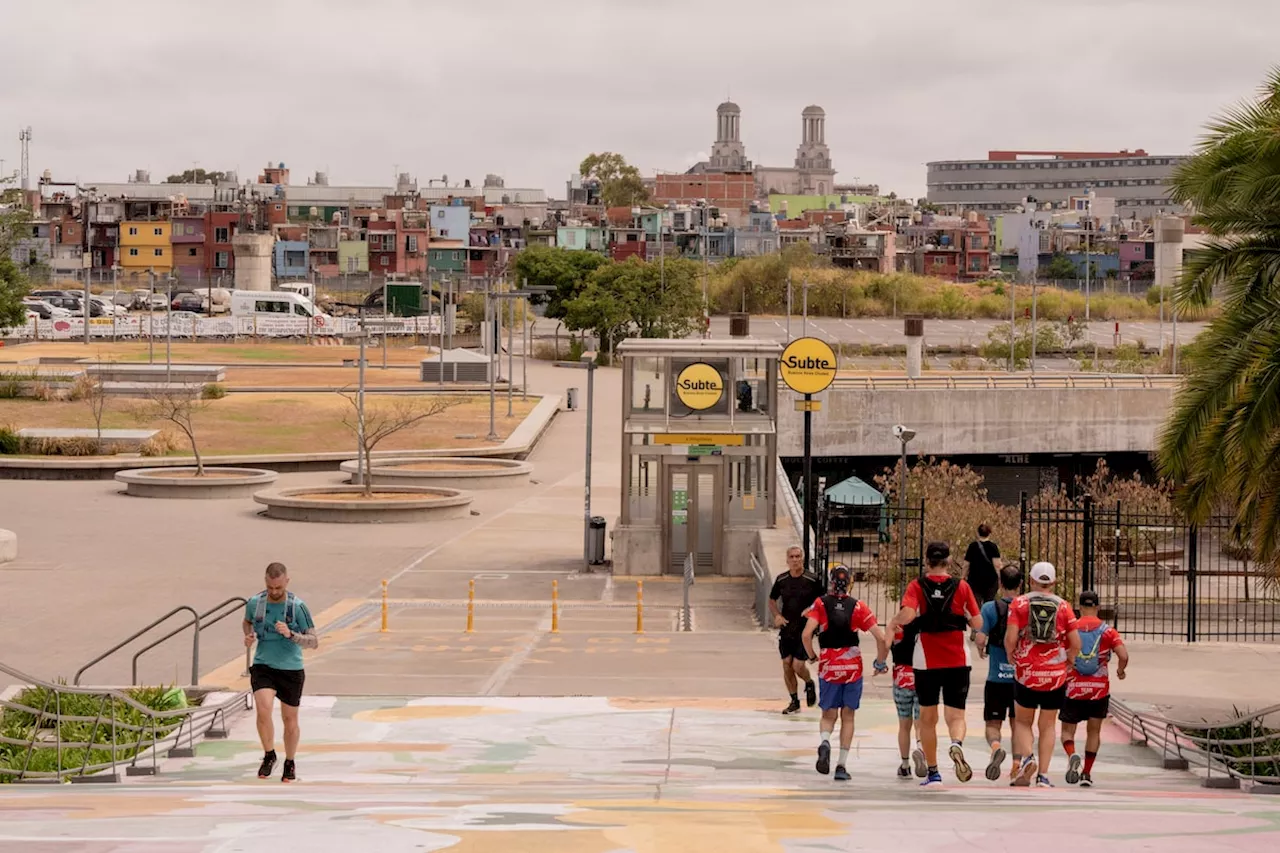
x=960, y=421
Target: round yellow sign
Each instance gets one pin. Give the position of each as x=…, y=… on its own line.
x=699, y=386
x=808, y=365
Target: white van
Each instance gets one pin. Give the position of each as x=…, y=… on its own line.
x=302, y=288
x=272, y=304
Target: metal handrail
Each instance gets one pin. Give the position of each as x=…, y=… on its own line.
x=204, y=622
x=165, y=727
x=1060, y=381
x=1179, y=747
x=195, y=644
x=762, y=593
x=687, y=615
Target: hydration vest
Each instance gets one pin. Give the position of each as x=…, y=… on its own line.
x=260, y=613
x=1001, y=627
x=938, y=615
x=1088, y=662
x=1042, y=618
x=904, y=650
x=839, y=633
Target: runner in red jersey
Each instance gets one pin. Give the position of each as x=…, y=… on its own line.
x=941, y=608
x=1040, y=640
x=1089, y=687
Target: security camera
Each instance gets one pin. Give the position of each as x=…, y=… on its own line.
x=902, y=433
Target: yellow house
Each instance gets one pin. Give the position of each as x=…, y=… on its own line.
x=145, y=245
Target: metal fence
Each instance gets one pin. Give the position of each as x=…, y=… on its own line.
x=1158, y=575
x=881, y=545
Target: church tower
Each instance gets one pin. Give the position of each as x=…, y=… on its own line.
x=813, y=158
x=728, y=153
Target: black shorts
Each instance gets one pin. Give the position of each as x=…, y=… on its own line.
x=790, y=645
x=1079, y=710
x=997, y=701
x=287, y=683
x=950, y=684
x=1047, y=700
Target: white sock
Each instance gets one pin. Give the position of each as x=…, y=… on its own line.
x=826, y=737
x=844, y=756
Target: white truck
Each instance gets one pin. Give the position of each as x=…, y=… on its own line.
x=273, y=304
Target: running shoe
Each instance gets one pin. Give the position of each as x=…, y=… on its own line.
x=917, y=759
x=904, y=771
x=268, y=764
x=1086, y=781
x=1074, y=763
x=1026, y=772
x=289, y=774
x=842, y=775
x=995, y=765
x=1043, y=781
x=793, y=708
x=824, y=758
x=963, y=771
x=933, y=780
x=810, y=694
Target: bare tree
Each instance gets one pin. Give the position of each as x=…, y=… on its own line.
x=179, y=408
x=384, y=419
x=93, y=391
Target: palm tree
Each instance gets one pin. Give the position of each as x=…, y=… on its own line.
x=1222, y=441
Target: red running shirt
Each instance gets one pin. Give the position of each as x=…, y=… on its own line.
x=941, y=649
x=842, y=666
x=1041, y=666
x=1098, y=685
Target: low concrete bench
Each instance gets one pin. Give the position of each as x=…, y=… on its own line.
x=113, y=440
x=187, y=373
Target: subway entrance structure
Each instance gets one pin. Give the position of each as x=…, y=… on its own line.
x=699, y=454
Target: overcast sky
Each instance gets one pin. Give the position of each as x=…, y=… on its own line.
x=525, y=89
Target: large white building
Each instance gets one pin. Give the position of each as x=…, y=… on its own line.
x=812, y=173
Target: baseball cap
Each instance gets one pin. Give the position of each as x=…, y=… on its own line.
x=936, y=552
x=1044, y=573
x=1089, y=598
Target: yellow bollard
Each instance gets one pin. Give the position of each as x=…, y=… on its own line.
x=384, y=607
x=471, y=606
x=555, y=607
x=639, y=607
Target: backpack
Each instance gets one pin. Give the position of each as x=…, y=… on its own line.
x=903, y=650
x=1088, y=661
x=260, y=612
x=1001, y=627
x=1042, y=618
x=840, y=633
x=938, y=615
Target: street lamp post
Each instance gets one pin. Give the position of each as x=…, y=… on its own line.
x=588, y=363
x=904, y=436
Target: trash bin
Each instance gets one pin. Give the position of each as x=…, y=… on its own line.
x=595, y=540
x=571, y=399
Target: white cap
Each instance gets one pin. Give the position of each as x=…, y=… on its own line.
x=1044, y=573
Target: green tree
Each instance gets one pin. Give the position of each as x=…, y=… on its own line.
x=620, y=183
x=564, y=270
x=641, y=299
x=1060, y=267
x=14, y=284
x=195, y=176
x=1222, y=440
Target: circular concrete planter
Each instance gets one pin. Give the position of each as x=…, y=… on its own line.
x=450, y=472
x=216, y=483
x=422, y=504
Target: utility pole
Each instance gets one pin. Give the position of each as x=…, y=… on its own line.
x=88, y=267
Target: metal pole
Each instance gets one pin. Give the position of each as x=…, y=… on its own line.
x=1033, y=326
x=492, y=345
x=151, y=315
x=1088, y=266
x=1173, y=310
x=808, y=479
x=586, y=479
x=386, y=316
x=524, y=358
x=902, y=510
x=360, y=460
x=804, y=301
x=1161, y=319
x=168, y=333
x=88, y=269
x=511, y=354
x=1013, y=322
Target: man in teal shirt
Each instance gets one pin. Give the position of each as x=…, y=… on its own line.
x=998, y=694
x=282, y=626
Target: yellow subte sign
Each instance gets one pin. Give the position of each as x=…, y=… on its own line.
x=808, y=365
x=699, y=386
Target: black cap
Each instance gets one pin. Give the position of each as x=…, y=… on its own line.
x=936, y=552
x=1089, y=598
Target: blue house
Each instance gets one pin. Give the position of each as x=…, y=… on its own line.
x=292, y=259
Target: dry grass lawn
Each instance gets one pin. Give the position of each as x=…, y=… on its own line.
x=280, y=423
x=264, y=352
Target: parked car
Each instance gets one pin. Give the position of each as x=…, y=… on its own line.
x=138, y=302
x=73, y=304
x=158, y=301
x=193, y=302
x=119, y=297
x=44, y=310
x=108, y=307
